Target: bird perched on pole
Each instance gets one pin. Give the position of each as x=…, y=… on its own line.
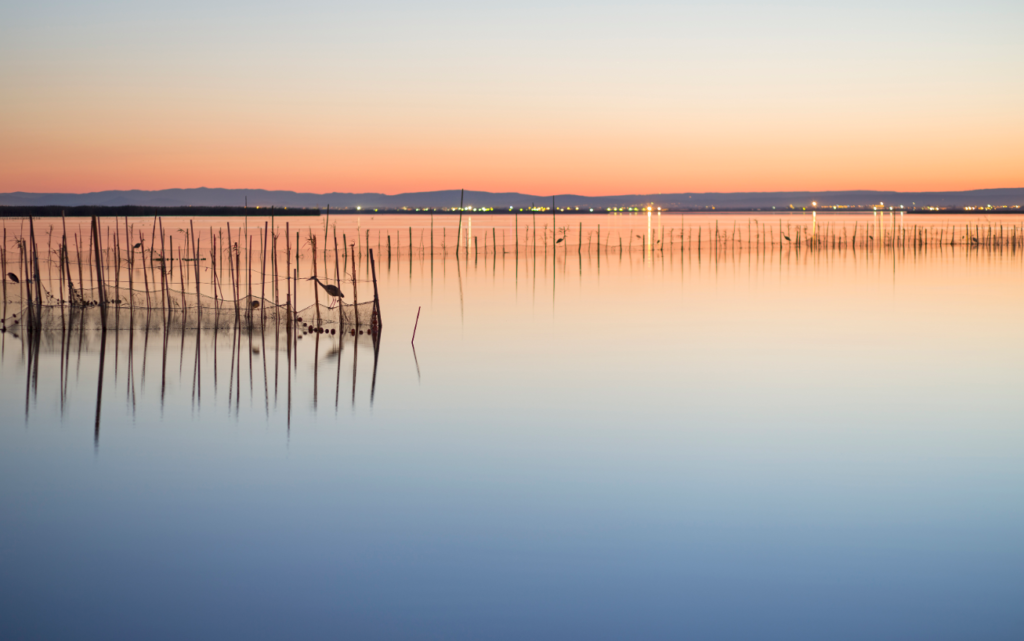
x=330, y=289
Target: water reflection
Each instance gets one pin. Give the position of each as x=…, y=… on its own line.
x=200, y=355
x=581, y=436
x=245, y=333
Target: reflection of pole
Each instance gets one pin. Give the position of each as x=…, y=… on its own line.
x=288, y=335
x=373, y=378
x=99, y=386
x=316, y=360
x=337, y=375
x=415, y=325
x=355, y=366
x=462, y=306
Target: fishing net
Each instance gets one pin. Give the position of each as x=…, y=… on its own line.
x=174, y=308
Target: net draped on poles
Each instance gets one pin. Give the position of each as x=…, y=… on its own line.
x=173, y=308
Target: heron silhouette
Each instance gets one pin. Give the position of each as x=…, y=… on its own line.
x=331, y=290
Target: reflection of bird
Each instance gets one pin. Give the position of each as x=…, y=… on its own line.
x=13, y=277
x=330, y=289
x=136, y=245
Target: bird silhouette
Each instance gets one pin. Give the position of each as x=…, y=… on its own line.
x=136, y=245
x=13, y=277
x=786, y=237
x=330, y=289
x=559, y=240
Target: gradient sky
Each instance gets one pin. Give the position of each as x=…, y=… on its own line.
x=543, y=97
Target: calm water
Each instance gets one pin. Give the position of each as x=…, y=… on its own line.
x=658, y=442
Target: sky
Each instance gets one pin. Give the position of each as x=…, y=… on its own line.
x=553, y=96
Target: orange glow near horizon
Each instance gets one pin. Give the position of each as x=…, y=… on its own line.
x=109, y=97
x=107, y=156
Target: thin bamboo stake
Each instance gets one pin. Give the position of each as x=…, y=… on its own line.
x=165, y=296
x=78, y=261
x=117, y=269
x=337, y=278
x=377, y=324
x=99, y=273
x=263, y=273
x=248, y=273
x=273, y=264
x=231, y=270
x=97, y=249
x=3, y=269
x=316, y=290
x=355, y=295
x=295, y=281
x=131, y=264
x=288, y=272
x=195, y=258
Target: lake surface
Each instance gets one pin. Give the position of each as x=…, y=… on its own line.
x=744, y=439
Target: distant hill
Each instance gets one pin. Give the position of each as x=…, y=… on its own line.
x=207, y=197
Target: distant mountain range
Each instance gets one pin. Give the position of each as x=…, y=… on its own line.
x=450, y=198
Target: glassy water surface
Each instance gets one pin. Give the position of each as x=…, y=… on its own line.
x=745, y=438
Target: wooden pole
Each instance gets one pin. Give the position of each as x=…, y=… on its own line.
x=288, y=273
x=35, y=268
x=263, y=274
x=337, y=278
x=295, y=281
x=165, y=297
x=316, y=288
x=131, y=264
x=99, y=273
x=355, y=294
x=3, y=261
x=98, y=260
x=78, y=261
x=195, y=261
x=376, y=300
